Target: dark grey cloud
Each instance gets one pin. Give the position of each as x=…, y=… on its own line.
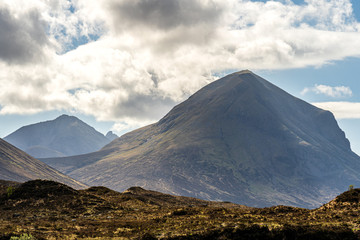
x=22, y=38
x=164, y=14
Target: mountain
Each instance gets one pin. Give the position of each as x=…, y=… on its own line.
x=111, y=136
x=16, y=165
x=64, y=136
x=238, y=139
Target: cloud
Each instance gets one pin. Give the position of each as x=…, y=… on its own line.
x=335, y=92
x=148, y=55
x=341, y=110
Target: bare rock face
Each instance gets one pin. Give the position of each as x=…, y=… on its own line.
x=238, y=139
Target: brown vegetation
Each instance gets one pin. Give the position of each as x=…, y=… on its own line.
x=50, y=210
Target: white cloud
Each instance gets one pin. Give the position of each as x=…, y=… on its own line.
x=335, y=92
x=151, y=54
x=341, y=110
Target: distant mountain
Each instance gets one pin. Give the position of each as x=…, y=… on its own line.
x=111, y=136
x=16, y=165
x=64, y=136
x=238, y=139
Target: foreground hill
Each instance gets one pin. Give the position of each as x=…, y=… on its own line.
x=16, y=165
x=239, y=139
x=50, y=210
x=63, y=136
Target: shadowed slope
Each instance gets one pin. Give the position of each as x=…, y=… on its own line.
x=16, y=165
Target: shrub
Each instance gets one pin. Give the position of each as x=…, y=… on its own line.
x=24, y=236
x=10, y=191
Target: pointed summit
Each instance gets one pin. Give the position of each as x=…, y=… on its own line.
x=238, y=139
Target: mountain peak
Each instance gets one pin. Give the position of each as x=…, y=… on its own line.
x=63, y=116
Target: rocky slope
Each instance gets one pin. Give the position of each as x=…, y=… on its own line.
x=63, y=136
x=239, y=139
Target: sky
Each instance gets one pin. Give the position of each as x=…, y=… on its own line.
x=119, y=65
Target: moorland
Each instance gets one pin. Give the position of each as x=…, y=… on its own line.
x=42, y=209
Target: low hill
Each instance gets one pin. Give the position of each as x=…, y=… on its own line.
x=16, y=165
x=63, y=136
x=51, y=210
x=345, y=202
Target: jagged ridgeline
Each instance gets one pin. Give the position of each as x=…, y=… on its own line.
x=238, y=139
